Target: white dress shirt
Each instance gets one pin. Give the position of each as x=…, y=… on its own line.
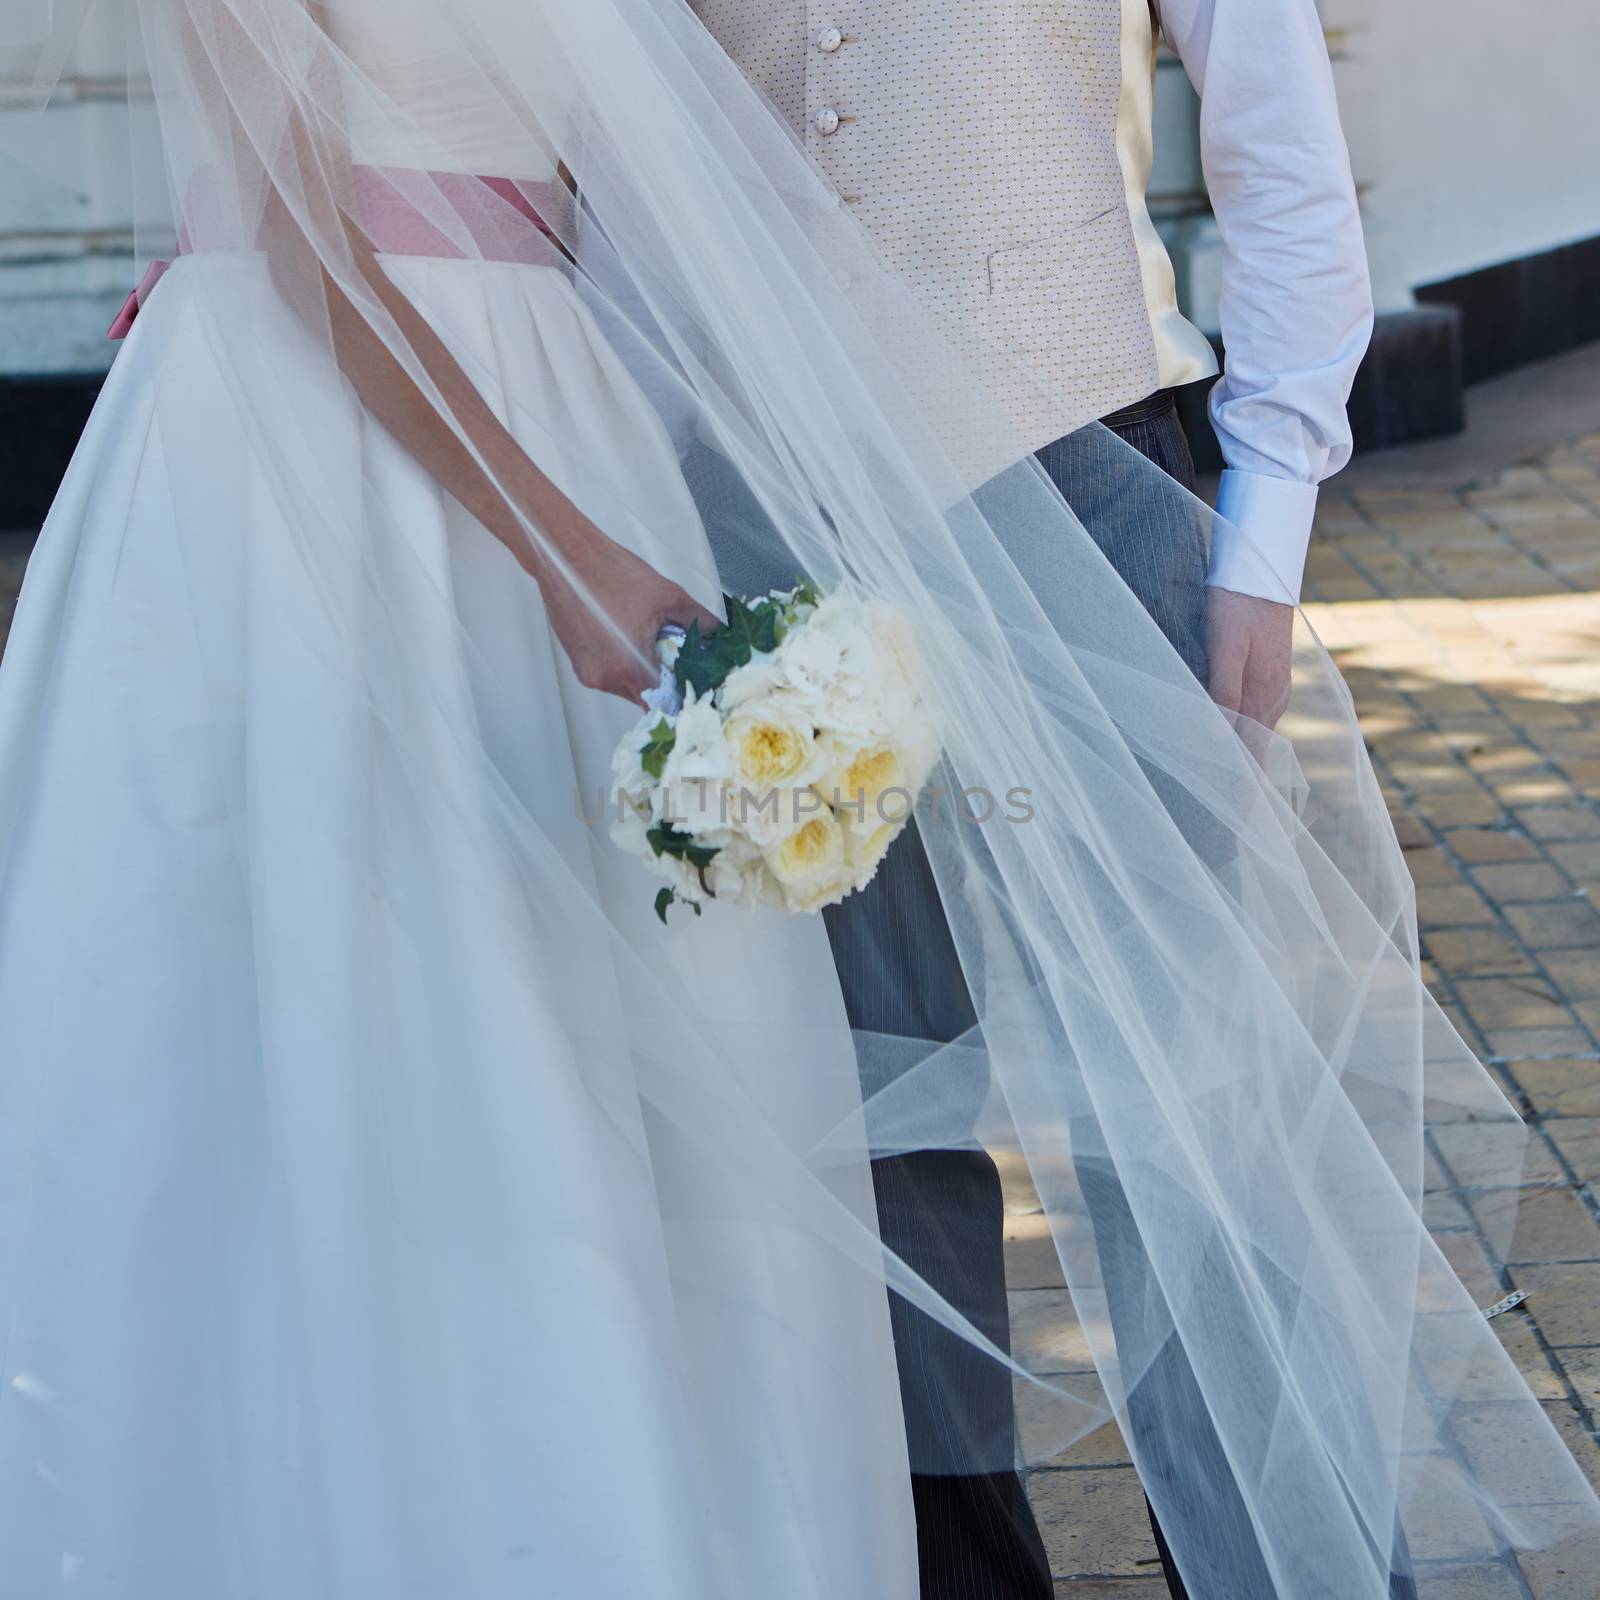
x=1296, y=303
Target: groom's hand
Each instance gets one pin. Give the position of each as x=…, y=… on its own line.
x=1250, y=645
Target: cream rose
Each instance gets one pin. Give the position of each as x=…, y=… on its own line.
x=858, y=778
x=810, y=864
x=864, y=851
x=773, y=745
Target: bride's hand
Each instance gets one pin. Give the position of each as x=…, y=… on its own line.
x=615, y=652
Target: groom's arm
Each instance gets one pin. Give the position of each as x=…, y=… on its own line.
x=1296, y=313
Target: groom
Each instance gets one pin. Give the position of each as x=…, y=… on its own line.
x=999, y=153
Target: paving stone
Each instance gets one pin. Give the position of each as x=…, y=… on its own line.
x=1444, y=1212
x=1562, y=925
x=1454, y=906
x=1575, y=974
x=1432, y=866
x=1045, y=1333
x=1562, y=1088
x=1578, y=1140
x=1558, y=823
x=1578, y=858
x=1585, y=775
x=1582, y=1369
x=1563, y=1300
x=1475, y=845
x=1494, y=1440
x=1063, y=1425
x=1512, y=1003
x=1094, y=1522
x=1551, y=1224
x=1506, y=1044
x=1533, y=789
x=1469, y=1263
x=1119, y=1589
x=1480, y=1581
x=1446, y=1523
x=1514, y=882
x=1477, y=952
x=1460, y=810
x=1563, y=1573
x=1105, y=1447
x=1499, y=759
x=1578, y=1432
x=1433, y=1175
x=1542, y=1373
x=1032, y=1261
x=1495, y=1155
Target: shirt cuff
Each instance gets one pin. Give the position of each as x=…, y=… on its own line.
x=1261, y=535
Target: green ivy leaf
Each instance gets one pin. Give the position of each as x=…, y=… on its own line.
x=706, y=660
x=766, y=624
x=664, y=901
x=666, y=840
x=654, y=756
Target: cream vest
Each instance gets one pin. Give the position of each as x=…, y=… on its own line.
x=998, y=151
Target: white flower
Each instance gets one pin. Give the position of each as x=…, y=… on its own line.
x=811, y=656
x=699, y=753
x=868, y=784
x=738, y=875
x=809, y=863
x=760, y=676
x=798, y=773
x=771, y=743
x=854, y=706
x=697, y=773
x=865, y=849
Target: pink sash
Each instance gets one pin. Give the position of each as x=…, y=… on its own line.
x=504, y=218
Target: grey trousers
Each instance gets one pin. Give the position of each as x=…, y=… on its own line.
x=941, y=1211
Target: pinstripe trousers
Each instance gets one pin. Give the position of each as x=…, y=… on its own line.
x=941, y=1211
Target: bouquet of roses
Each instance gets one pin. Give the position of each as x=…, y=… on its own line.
x=781, y=755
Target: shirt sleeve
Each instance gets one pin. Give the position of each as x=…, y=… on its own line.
x=1296, y=305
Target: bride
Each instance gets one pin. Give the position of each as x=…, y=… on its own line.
x=388, y=1203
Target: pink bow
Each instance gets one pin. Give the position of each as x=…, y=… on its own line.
x=123, y=321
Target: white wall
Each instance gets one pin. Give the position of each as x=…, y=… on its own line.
x=67, y=212
x=1473, y=126
x=1473, y=133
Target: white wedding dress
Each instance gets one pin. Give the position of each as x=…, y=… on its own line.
x=359, y=1236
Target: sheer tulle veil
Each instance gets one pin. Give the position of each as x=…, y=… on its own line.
x=1194, y=959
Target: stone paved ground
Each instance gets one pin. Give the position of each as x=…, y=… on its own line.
x=1467, y=618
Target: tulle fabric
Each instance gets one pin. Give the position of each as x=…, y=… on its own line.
x=1199, y=1020
x=344, y=1254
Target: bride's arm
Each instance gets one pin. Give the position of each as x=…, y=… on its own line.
x=479, y=463
x=453, y=433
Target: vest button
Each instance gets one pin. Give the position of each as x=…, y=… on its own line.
x=829, y=40
x=826, y=121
